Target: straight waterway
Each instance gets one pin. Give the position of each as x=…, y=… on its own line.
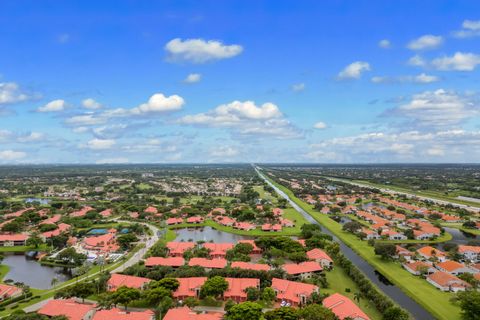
x=392, y=291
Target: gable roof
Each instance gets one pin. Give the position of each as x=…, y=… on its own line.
x=69, y=308
x=117, y=314
x=343, y=307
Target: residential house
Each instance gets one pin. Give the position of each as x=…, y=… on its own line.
x=237, y=288
x=208, y=264
x=418, y=267
x=454, y=267
x=119, y=314
x=121, y=280
x=189, y=287
x=177, y=249
x=13, y=240
x=185, y=313
x=471, y=253
x=174, y=262
x=447, y=282
x=321, y=257
x=344, y=308
x=8, y=291
x=250, y=266
x=68, y=308
x=292, y=292
x=302, y=270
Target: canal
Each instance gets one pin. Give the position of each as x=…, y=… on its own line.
x=392, y=291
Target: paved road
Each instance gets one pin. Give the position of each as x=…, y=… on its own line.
x=149, y=242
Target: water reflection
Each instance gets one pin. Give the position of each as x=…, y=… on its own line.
x=33, y=273
x=208, y=234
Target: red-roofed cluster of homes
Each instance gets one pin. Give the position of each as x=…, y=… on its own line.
x=74, y=310
x=439, y=271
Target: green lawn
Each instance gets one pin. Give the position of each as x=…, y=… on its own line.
x=338, y=281
x=263, y=194
x=42, y=247
x=3, y=271
x=436, y=302
x=290, y=214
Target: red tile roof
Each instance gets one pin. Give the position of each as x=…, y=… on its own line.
x=179, y=248
x=13, y=237
x=304, y=267
x=344, y=307
x=186, y=313
x=318, y=254
x=207, y=263
x=237, y=286
x=121, y=280
x=118, y=314
x=69, y=308
x=463, y=249
x=218, y=249
x=292, y=290
x=189, y=287
x=250, y=266
x=160, y=261
x=7, y=291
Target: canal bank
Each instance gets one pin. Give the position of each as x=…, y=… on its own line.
x=380, y=277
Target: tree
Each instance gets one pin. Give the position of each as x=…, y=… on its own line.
x=252, y=293
x=34, y=240
x=214, y=287
x=470, y=304
x=268, y=295
x=316, y=312
x=13, y=227
x=469, y=278
x=352, y=226
x=79, y=290
x=245, y=311
x=385, y=250
x=125, y=296
x=395, y=313
x=171, y=284
x=152, y=296
x=282, y=313
x=125, y=241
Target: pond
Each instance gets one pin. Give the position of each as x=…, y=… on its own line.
x=458, y=236
x=208, y=234
x=33, y=273
x=39, y=200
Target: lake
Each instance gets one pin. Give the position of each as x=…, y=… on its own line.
x=33, y=273
x=208, y=234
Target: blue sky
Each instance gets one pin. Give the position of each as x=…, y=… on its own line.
x=250, y=81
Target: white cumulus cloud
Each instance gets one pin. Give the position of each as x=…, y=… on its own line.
x=470, y=28
x=91, y=104
x=160, y=103
x=53, y=106
x=458, y=62
x=100, y=144
x=426, y=42
x=385, y=44
x=10, y=92
x=354, y=70
x=8, y=155
x=320, y=125
x=200, y=51
x=193, y=78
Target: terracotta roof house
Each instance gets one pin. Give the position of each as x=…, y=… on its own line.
x=302, y=270
x=208, y=264
x=196, y=219
x=321, y=257
x=68, y=308
x=225, y=221
x=186, y=313
x=295, y=293
x=106, y=213
x=287, y=223
x=402, y=252
x=272, y=227
x=52, y=220
x=218, y=250
x=8, y=291
x=189, y=287
x=177, y=249
x=447, y=282
x=237, y=286
x=150, y=209
x=82, y=212
x=133, y=215
x=394, y=235
x=11, y=240
x=471, y=253
x=219, y=211
x=174, y=262
x=121, y=280
x=244, y=226
x=62, y=227
x=429, y=252
x=415, y=267
x=172, y=221
x=344, y=307
x=118, y=314
x=104, y=243
x=250, y=266
x=454, y=267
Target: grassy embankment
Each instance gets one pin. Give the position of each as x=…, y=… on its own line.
x=436, y=302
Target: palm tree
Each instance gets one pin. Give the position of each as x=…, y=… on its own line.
x=54, y=282
x=357, y=296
